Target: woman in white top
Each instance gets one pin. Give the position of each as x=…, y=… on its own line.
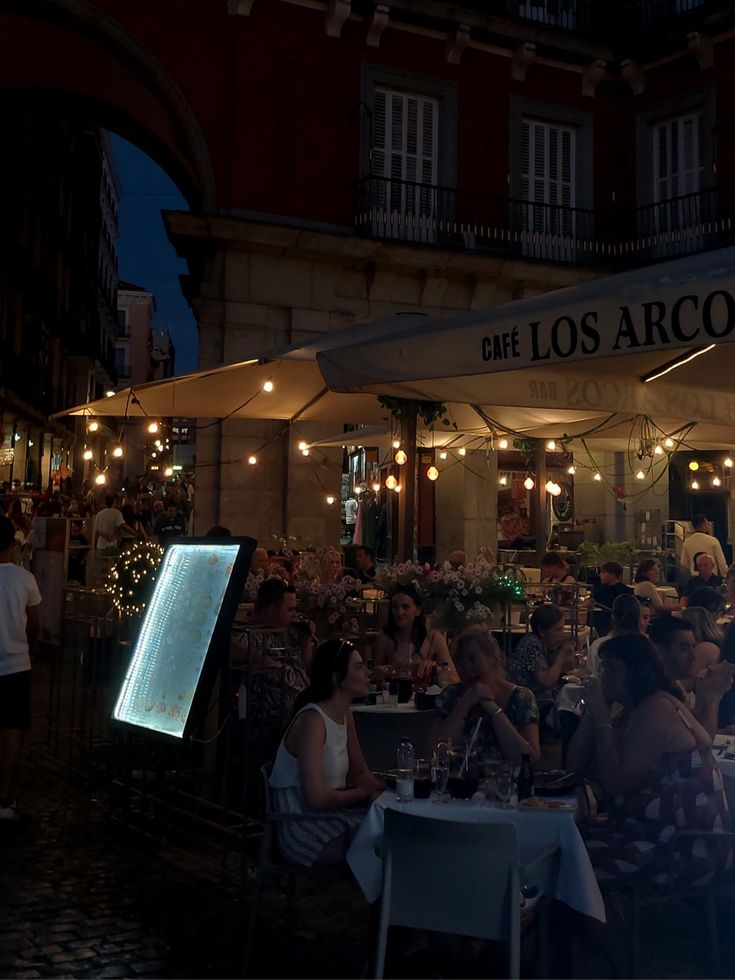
x=646, y=576
x=407, y=645
x=319, y=767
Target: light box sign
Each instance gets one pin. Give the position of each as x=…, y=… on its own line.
x=196, y=591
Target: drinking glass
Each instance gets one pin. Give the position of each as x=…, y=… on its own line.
x=422, y=778
x=489, y=772
x=440, y=772
x=504, y=785
x=464, y=774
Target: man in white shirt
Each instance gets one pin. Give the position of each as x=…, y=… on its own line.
x=19, y=602
x=702, y=541
x=107, y=526
x=350, y=516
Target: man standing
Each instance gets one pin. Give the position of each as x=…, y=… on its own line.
x=169, y=525
x=604, y=595
x=19, y=601
x=702, y=540
x=350, y=516
x=107, y=526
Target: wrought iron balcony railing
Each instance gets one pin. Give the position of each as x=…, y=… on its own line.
x=424, y=214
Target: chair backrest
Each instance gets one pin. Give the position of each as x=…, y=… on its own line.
x=270, y=851
x=451, y=877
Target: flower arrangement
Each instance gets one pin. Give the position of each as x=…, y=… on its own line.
x=328, y=605
x=133, y=575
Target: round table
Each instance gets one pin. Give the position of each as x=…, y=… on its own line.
x=380, y=729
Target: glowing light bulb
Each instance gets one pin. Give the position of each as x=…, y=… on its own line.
x=168, y=471
x=503, y=481
x=669, y=442
x=252, y=460
x=695, y=485
x=432, y=473
x=376, y=487
x=502, y=443
x=153, y=455
x=303, y=446
x=93, y=426
x=571, y=470
x=658, y=450
x=462, y=451
x=597, y=476
x=305, y=452
x=87, y=454
x=330, y=500
x=358, y=491
x=397, y=488
x=640, y=475
x=391, y=482
x=549, y=486
x=396, y=443
x=694, y=466
x=118, y=452
x=528, y=483
x=100, y=479
x=443, y=454
x=401, y=457
x=268, y=386
x=109, y=394
x=551, y=445
x=153, y=428
x=716, y=481
x=727, y=462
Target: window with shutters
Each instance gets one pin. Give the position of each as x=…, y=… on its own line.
x=403, y=164
x=547, y=183
x=678, y=170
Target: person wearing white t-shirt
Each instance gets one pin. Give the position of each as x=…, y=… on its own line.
x=19, y=602
x=702, y=541
x=108, y=524
x=350, y=516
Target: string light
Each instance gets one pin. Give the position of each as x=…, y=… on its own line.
x=443, y=454
x=100, y=479
x=695, y=485
x=358, y=491
x=401, y=457
x=432, y=473
x=330, y=500
x=694, y=466
x=305, y=452
x=118, y=452
x=132, y=576
x=302, y=446
x=549, y=486
x=396, y=443
x=153, y=455
x=109, y=394
x=556, y=490
x=391, y=482
x=376, y=487
x=93, y=426
x=716, y=481
x=168, y=471
x=153, y=428
x=252, y=460
x=658, y=450
x=597, y=476
x=528, y=483
x=397, y=488
x=87, y=454
x=551, y=445
x=640, y=475
x=503, y=481
x=268, y=387
x=502, y=443
x=727, y=462
x=571, y=470
x=669, y=442
x=462, y=451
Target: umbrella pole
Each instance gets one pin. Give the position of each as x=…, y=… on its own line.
x=539, y=501
x=407, y=497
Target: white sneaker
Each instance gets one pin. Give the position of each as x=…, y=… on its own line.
x=9, y=812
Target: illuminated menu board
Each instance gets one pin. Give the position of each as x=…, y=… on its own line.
x=171, y=648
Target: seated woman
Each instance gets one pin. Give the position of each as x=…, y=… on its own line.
x=555, y=570
x=629, y=615
x=655, y=764
x=543, y=655
x=319, y=767
x=644, y=584
x=509, y=713
x=407, y=645
x=330, y=566
x=708, y=636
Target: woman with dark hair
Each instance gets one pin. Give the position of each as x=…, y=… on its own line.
x=646, y=576
x=708, y=636
x=543, y=655
x=407, y=644
x=654, y=761
x=629, y=615
x=319, y=766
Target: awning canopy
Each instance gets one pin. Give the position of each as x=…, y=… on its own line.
x=656, y=342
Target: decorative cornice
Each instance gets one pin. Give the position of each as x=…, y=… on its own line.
x=335, y=16
x=592, y=75
x=378, y=23
x=634, y=76
x=523, y=57
x=457, y=44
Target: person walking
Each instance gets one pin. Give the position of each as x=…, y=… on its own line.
x=19, y=602
x=702, y=541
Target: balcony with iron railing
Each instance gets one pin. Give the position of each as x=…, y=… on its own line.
x=430, y=215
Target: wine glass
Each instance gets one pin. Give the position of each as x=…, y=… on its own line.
x=504, y=785
x=440, y=772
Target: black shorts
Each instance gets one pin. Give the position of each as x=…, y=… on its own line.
x=15, y=700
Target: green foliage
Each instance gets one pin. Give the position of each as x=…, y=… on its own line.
x=592, y=554
x=429, y=412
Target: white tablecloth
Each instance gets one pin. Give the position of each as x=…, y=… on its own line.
x=576, y=884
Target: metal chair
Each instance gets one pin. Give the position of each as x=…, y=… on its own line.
x=460, y=878
x=271, y=864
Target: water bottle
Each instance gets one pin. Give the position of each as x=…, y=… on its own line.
x=404, y=771
x=526, y=784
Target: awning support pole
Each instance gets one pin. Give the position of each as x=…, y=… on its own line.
x=407, y=497
x=539, y=500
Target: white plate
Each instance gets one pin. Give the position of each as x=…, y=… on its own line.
x=540, y=805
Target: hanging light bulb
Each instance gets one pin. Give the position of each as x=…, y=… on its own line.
x=528, y=483
x=303, y=446
x=502, y=443
x=432, y=473
x=503, y=481
x=305, y=452
x=100, y=479
x=443, y=454
x=597, y=476
x=109, y=393
x=640, y=475
x=727, y=462
x=391, y=482
x=555, y=490
x=153, y=455
x=695, y=485
x=118, y=452
x=376, y=487
x=694, y=466
x=358, y=491
x=669, y=442
x=401, y=457
x=551, y=445
x=87, y=454
x=396, y=443
x=252, y=460
x=397, y=488
x=330, y=499
x=571, y=470
x=658, y=450
x=268, y=386
x=153, y=428
x=93, y=426
x=168, y=471
x=549, y=486
x=462, y=451
x=716, y=481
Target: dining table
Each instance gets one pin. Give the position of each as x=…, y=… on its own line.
x=576, y=884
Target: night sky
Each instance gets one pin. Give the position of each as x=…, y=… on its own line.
x=145, y=255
